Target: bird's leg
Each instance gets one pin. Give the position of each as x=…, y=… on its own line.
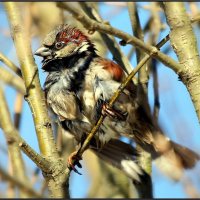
x=112, y=112
x=73, y=160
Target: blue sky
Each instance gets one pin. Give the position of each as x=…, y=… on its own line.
x=176, y=108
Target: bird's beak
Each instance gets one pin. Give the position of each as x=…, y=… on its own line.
x=43, y=52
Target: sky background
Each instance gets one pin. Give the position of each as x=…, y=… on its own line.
x=177, y=115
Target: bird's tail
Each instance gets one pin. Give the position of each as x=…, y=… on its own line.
x=170, y=158
x=173, y=158
x=122, y=156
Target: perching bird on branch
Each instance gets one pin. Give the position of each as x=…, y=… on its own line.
x=78, y=87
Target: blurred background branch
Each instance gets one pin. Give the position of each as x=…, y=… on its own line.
x=144, y=189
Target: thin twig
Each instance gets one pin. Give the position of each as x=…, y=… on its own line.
x=41, y=162
x=110, y=41
x=19, y=184
x=13, y=136
x=11, y=188
x=10, y=64
x=12, y=80
x=155, y=28
x=116, y=95
x=156, y=92
x=131, y=53
x=18, y=109
x=143, y=75
x=144, y=189
x=93, y=25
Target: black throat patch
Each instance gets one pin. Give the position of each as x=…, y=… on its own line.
x=76, y=67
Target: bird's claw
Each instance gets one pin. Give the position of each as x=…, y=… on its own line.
x=113, y=113
x=73, y=160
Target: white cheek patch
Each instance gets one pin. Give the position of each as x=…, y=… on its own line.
x=83, y=48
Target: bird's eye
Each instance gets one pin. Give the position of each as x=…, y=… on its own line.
x=59, y=45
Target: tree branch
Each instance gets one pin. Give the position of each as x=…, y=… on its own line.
x=57, y=176
x=18, y=110
x=12, y=80
x=31, y=79
x=184, y=44
x=17, y=182
x=127, y=38
x=13, y=136
x=18, y=166
x=144, y=158
x=10, y=64
x=110, y=41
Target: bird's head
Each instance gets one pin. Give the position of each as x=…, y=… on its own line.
x=63, y=42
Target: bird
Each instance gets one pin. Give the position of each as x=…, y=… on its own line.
x=78, y=87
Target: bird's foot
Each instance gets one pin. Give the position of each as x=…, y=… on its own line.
x=73, y=160
x=113, y=113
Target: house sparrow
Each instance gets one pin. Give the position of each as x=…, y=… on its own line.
x=78, y=87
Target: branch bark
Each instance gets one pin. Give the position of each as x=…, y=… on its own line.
x=57, y=176
x=184, y=44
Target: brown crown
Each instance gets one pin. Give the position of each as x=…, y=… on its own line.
x=71, y=34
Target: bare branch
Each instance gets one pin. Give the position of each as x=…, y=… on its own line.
x=144, y=158
x=110, y=41
x=18, y=110
x=31, y=79
x=12, y=80
x=16, y=181
x=57, y=175
x=18, y=166
x=93, y=25
x=10, y=64
x=184, y=44
x=13, y=136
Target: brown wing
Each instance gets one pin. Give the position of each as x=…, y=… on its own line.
x=117, y=73
x=114, y=69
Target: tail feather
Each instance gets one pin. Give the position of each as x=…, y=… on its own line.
x=121, y=156
x=173, y=162
x=170, y=158
x=188, y=157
